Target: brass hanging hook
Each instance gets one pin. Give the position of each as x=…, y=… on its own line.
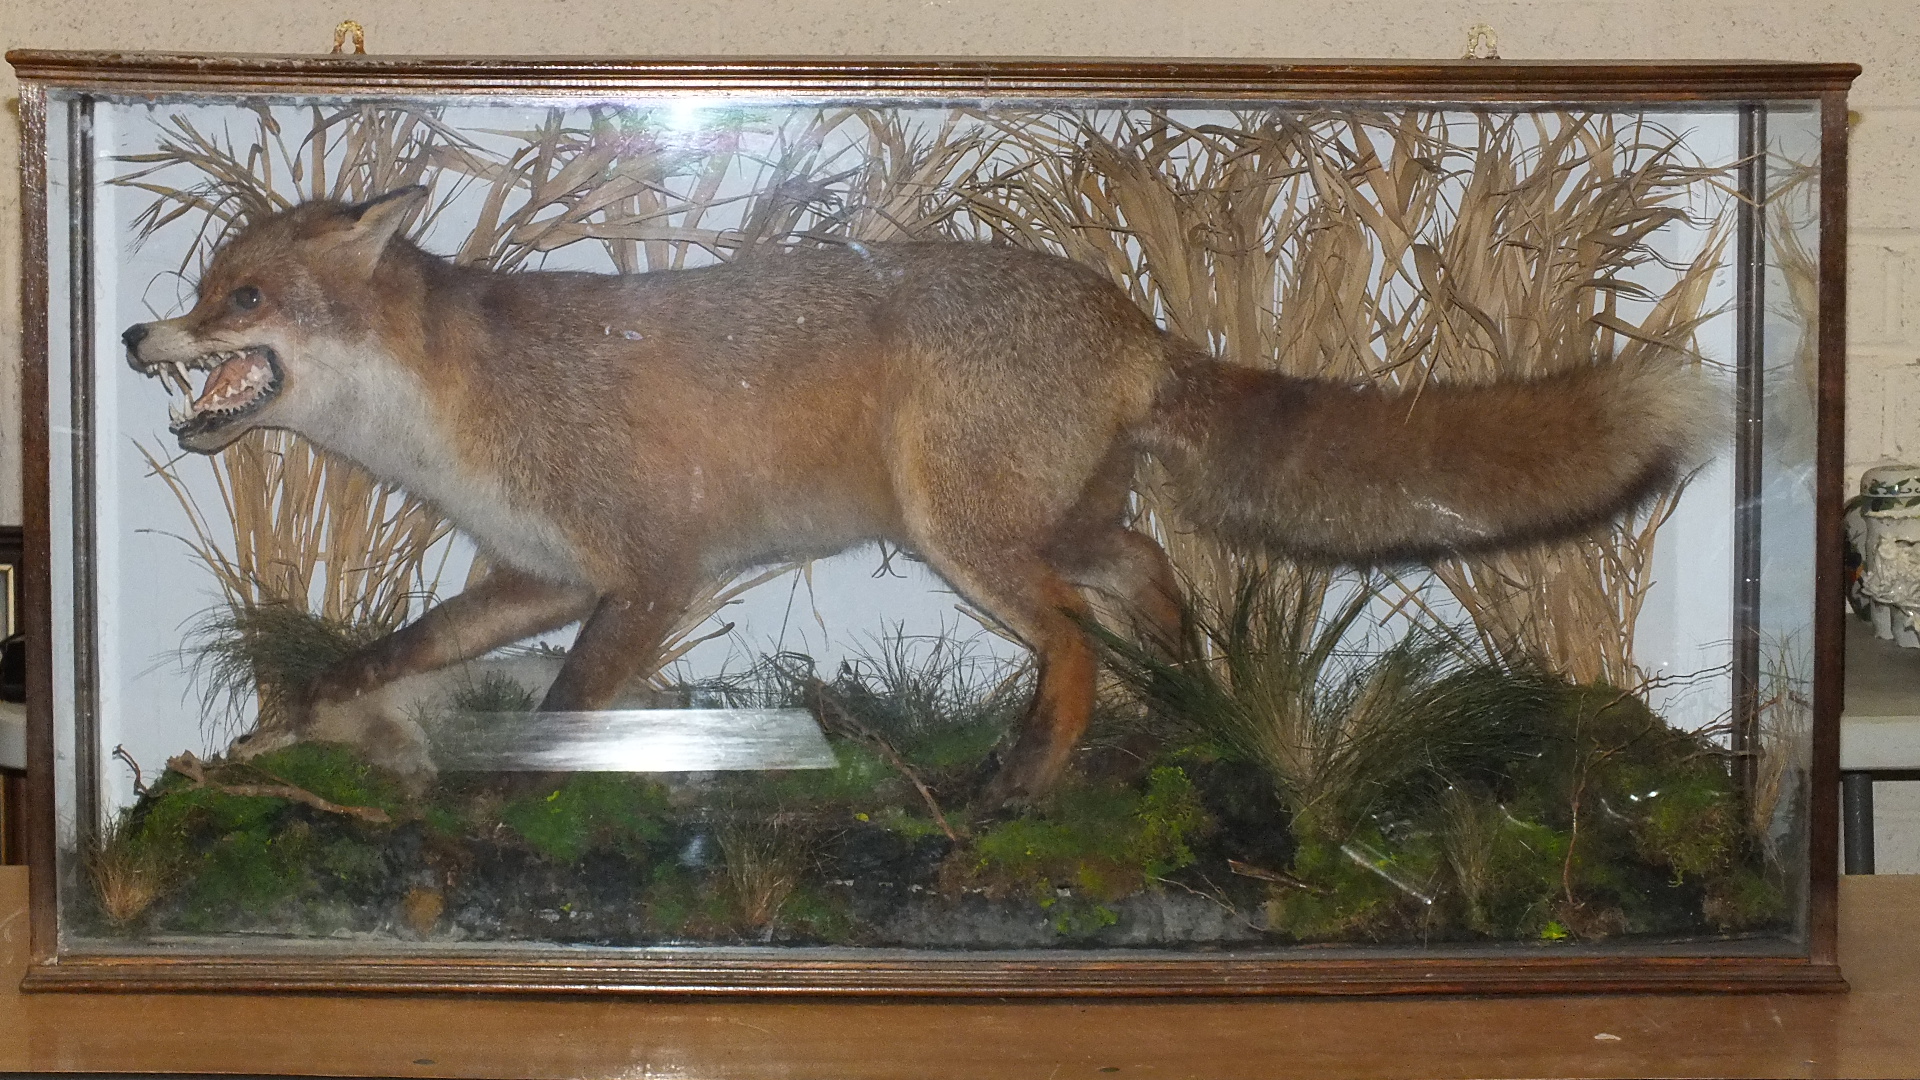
x=1482, y=43
x=352, y=29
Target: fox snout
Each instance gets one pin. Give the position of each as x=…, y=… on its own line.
x=240, y=383
x=132, y=338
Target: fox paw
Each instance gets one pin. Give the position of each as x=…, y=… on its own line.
x=381, y=736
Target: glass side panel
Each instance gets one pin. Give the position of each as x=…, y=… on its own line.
x=1119, y=525
x=1781, y=716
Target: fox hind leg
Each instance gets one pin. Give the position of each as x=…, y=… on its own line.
x=1040, y=605
x=1133, y=570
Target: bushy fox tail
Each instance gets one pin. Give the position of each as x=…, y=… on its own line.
x=1361, y=475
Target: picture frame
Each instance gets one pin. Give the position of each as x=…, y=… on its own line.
x=1740, y=169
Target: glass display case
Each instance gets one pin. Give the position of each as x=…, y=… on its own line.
x=1024, y=527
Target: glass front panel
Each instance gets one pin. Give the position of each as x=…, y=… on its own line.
x=968, y=526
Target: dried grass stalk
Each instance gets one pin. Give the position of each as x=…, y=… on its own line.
x=1783, y=745
x=764, y=862
x=1367, y=245
x=129, y=873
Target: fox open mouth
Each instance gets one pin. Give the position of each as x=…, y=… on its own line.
x=241, y=382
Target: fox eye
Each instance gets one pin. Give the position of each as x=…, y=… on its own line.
x=246, y=298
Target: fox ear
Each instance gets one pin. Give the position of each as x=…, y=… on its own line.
x=374, y=222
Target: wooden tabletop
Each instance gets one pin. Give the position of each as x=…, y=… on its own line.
x=1873, y=1031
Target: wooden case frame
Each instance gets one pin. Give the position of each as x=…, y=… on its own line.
x=703, y=970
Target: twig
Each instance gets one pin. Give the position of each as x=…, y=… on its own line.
x=1260, y=873
x=195, y=771
x=839, y=720
x=139, y=786
x=1216, y=897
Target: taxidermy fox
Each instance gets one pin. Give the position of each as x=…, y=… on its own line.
x=616, y=443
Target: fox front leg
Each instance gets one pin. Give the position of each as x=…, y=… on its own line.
x=621, y=637
x=344, y=703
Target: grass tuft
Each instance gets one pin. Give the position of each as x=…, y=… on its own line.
x=1340, y=735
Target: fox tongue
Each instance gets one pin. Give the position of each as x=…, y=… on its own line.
x=234, y=383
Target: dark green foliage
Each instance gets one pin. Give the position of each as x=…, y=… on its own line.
x=814, y=914
x=672, y=897
x=333, y=772
x=1642, y=793
x=1743, y=899
x=680, y=903
x=590, y=811
x=1616, y=823
x=941, y=700
x=1341, y=736
x=1363, y=887
x=859, y=779
x=1505, y=873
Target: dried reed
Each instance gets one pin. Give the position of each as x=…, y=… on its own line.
x=129, y=873
x=1783, y=746
x=764, y=862
x=1367, y=245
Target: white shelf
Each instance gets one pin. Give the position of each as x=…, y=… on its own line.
x=1880, y=716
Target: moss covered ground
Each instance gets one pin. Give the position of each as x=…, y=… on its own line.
x=1577, y=814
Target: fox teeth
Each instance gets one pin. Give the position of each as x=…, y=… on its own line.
x=180, y=376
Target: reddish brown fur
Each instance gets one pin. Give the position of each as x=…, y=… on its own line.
x=984, y=406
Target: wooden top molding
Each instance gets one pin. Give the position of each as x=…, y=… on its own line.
x=157, y=74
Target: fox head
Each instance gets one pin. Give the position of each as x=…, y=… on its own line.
x=285, y=310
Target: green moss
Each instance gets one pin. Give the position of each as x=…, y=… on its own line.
x=810, y=912
x=1099, y=841
x=679, y=903
x=1367, y=885
x=1744, y=899
x=956, y=746
x=444, y=820
x=1524, y=880
x=899, y=820
x=1658, y=818
x=1338, y=897
x=335, y=773
x=1684, y=816
x=1167, y=821
x=859, y=778
x=589, y=811
x=244, y=876
x=1074, y=916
